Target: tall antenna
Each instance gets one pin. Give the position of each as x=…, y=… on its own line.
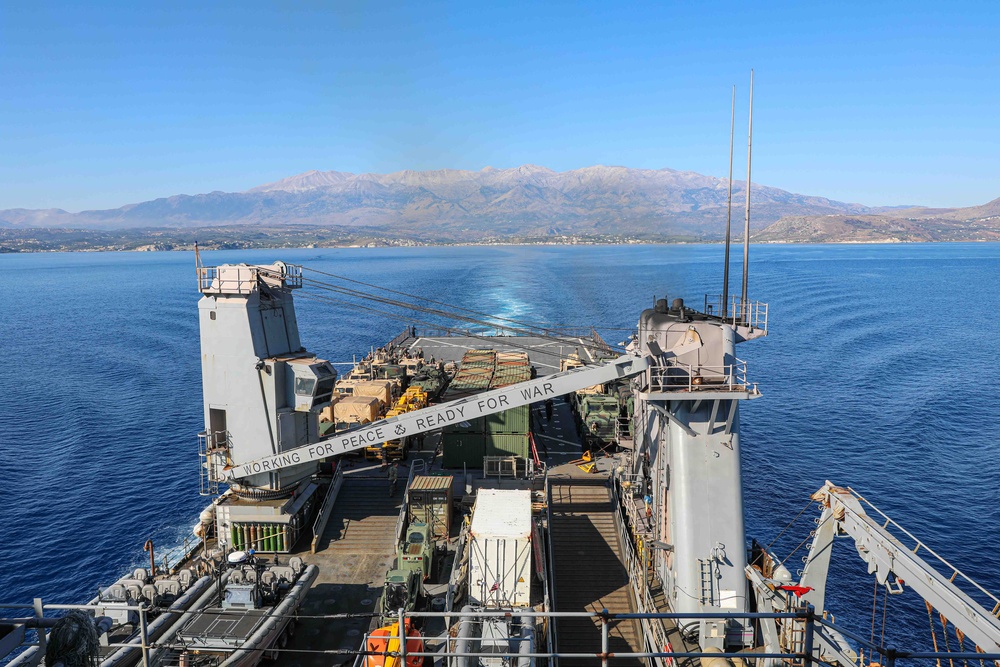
x=746, y=226
x=729, y=209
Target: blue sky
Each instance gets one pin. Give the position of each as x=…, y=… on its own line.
x=102, y=104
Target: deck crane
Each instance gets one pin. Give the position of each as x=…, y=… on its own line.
x=845, y=513
x=263, y=392
x=446, y=414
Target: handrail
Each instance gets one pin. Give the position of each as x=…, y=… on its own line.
x=456, y=574
x=176, y=555
x=679, y=376
x=242, y=279
x=404, y=508
x=806, y=615
x=740, y=312
x=325, y=509
x=406, y=333
x=550, y=636
x=637, y=575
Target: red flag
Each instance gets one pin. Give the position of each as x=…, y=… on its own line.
x=798, y=590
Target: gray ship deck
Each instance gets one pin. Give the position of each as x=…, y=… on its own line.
x=357, y=546
x=356, y=549
x=545, y=353
x=587, y=567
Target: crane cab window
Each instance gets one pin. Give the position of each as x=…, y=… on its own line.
x=305, y=386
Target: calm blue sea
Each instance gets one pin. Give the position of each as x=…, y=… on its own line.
x=879, y=374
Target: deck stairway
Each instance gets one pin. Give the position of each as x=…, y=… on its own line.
x=353, y=554
x=587, y=568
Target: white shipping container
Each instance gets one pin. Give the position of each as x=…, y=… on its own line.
x=500, y=549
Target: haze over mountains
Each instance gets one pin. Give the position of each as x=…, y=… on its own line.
x=526, y=201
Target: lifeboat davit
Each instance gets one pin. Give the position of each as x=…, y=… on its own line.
x=386, y=640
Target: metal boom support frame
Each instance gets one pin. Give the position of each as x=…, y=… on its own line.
x=885, y=554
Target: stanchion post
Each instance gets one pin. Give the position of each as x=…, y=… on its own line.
x=402, y=637
x=807, y=640
x=144, y=635
x=604, y=638
x=40, y=613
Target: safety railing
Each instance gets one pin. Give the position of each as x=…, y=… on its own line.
x=738, y=312
x=600, y=342
x=208, y=278
x=551, y=630
x=563, y=331
x=629, y=490
x=213, y=453
x=623, y=429
x=443, y=646
x=408, y=332
x=678, y=376
x=513, y=467
x=244, y=279
x=326, y=509
x=174, y=556
x=541, y=533
x=637, y=567
x=404, y=508
x=40, y=623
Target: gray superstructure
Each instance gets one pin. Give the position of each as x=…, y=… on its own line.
x=688, y=443
x=262, y=396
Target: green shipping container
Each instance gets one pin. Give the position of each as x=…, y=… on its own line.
x=505, y=444
x=514, y=421
x=463, y=449
x=477, y=425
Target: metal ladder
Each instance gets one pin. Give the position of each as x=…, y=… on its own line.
x=794, y=639
x=213, y=452
x=622, y=429
x=707, y=582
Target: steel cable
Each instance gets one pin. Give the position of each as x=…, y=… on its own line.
x=444, y=314
x=521, y=328
x=519, y=323
x=458, y=332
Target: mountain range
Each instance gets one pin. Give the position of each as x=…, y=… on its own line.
x=526, y=201
x=913, y=224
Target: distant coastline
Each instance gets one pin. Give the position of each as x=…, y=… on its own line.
x=40, y=240
x=526, y=205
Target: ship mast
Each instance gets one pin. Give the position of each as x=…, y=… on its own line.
x=746, y=226
x=729, y=209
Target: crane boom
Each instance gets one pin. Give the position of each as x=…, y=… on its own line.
x=885, y=554
x=445, y=414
